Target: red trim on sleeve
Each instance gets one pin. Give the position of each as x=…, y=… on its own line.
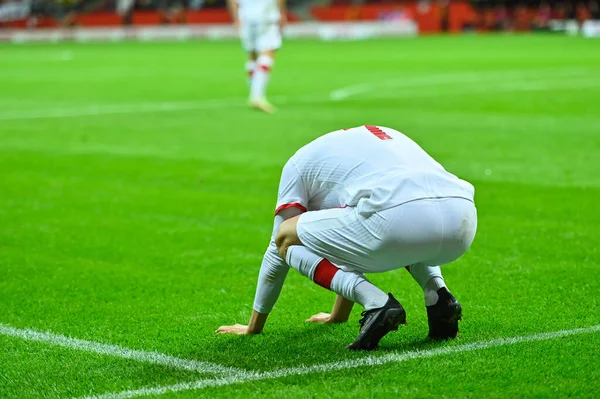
x=324, y=273
x=286, y=206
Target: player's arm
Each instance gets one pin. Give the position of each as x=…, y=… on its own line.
x=292, y=200
x=271, y=277
x=233, y=7
x=339, y=314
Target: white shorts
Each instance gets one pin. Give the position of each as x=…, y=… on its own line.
x=432, y=232
x=260, y=36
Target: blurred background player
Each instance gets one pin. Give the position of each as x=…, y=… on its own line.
x=367, y=200
x=259, y=23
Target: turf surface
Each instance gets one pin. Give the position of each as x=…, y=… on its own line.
x=135, y=208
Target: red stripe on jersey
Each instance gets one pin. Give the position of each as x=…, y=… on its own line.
x=265, y=68
x=380, y=134
x=324, y=273
x=286, y=206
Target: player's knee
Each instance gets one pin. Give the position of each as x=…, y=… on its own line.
x=286, y=237
x=283, y=242
x=269, y=53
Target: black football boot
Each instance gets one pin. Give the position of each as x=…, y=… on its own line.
x=378, y=322
x=443, y=317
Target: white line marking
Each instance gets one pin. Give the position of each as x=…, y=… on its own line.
x=119, y=351
x=62, y=56
x=336, y=95
x=451, y=78
x=115, y=109
x=512, y=87
x=346, y=364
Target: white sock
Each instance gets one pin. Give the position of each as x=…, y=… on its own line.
x=352, y=286
x=250, y=67
x=302, y=260
x=430, y=292
x=430, y=279
x=369, y=296
x=262, y=72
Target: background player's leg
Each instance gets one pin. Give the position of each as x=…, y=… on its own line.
x=260, y=80
x=351, y=285
x=268, y=40
x=430, y=279
x=250, y=66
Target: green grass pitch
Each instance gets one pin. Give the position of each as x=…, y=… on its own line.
x=137, y=193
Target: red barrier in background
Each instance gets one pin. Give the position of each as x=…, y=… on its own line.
x=430, y=18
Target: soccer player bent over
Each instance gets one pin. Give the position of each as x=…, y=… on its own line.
x=367, y=200
x=260, y=23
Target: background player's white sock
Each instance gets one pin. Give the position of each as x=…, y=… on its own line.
x=430, y=279
x=352, y=286
x=262, y=72
x=250, y=67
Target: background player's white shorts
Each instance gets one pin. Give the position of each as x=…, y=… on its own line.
x=432, y=232
x=260, y=36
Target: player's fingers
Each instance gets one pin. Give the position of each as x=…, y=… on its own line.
x=227, y=329
x=319, y=318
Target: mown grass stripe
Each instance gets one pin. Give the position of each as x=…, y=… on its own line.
x=372, y=360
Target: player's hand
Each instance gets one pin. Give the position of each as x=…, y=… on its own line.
x=238, y=329
x=320, y=318
x=236, y=24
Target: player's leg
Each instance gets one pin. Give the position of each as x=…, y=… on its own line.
x=426, y=232
x=349, y=284
x=260, y=81
x=248, y=38
x=430, y=279
x=251, y=66
x=267, y=43
x=264, y=65
x=383, y=313
x=459, y=218
x=443, y=310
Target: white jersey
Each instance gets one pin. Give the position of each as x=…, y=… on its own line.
x=368, y=167
x=258, y=11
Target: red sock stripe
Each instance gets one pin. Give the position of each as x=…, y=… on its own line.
x=324, y=273
x=380, y=134
x=265, y=68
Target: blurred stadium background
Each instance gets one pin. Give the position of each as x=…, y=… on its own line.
x=430, y=16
